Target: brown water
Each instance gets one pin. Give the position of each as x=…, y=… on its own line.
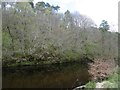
x=50, y=76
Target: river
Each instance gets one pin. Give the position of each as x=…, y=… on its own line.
x=68, y=75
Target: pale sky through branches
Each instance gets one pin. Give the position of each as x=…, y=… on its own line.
x=97, y=10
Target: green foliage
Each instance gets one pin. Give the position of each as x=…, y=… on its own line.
x=40, y=34
x=91, y=84
x=6, y=40
x=114, y=79
x=56, y=8
x=104, y=25
x=46, y=7
x=89, y=49
x=52, y=47
x=71, y=55
x=110, y=85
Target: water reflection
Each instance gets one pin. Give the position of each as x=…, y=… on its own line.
x=51, y=76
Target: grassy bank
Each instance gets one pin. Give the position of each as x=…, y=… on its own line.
x=111, y=82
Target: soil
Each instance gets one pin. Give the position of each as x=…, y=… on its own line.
x=101, y=69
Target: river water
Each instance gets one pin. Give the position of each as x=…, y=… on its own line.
x=68, y=75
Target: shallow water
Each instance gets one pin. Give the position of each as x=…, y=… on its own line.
x=67, y=75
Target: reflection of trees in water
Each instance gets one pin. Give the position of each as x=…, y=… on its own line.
x=29, y=76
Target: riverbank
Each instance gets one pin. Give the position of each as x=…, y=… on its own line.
x=31, y=61
x=111, y=82
x=104, y=74
x=101, y=69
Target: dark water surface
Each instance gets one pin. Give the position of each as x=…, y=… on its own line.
x=67, y=75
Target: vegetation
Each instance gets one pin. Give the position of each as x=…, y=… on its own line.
x=91, y=84
x=111, y=82
x=114, y=78
x=38, y=34
x=104, y=25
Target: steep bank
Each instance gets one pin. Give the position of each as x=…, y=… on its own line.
x=101, y=69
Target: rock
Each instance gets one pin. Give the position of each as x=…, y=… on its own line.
x=98, y=85
x=79, y=87
x=104, y=84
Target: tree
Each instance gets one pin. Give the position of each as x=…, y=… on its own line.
x=47, y=32
x=104, y=25
x=47, y=5
x=32, y=4
x=46, y=8
x=68, y=19
x=55, y=8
